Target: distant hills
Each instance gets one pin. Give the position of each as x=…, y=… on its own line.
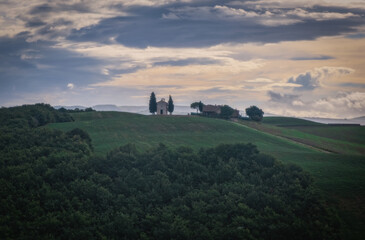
x=358, y=120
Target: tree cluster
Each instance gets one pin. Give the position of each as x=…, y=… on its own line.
x=54, y=187
x=31, y=116
x=255, y=113
x=76, y=110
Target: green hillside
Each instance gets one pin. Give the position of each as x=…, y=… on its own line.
x=341, y=175
x=112, y=129
x=348, y=140
x=350, y=134
x=336, y=173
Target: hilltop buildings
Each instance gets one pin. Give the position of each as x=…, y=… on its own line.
x=215, y=110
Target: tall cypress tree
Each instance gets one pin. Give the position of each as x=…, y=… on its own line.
x=153, y=103
x=170, y=107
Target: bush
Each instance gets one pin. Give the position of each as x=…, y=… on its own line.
x=254, y=113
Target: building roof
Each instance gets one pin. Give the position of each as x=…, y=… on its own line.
x=211, y=108
x=162, y=101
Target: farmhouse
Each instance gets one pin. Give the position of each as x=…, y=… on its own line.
x=211, y=110
x=214, y=110
x=162, y=107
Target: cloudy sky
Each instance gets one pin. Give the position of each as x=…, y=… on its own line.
x=289, y=57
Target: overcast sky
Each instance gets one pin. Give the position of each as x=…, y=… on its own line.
x=289, y=57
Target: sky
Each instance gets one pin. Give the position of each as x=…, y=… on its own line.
x=289, y=57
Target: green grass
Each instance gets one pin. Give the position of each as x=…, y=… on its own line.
x=289, y=121
x=336, y=139
x=333, y=172
x=353, y=134
x=340, y=176
x=109, y=130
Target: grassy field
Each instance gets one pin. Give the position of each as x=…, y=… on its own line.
x=348, y=140
x=341, y=176
x=350, y=134
x=109, y=130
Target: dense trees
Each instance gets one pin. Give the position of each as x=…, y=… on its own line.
x=226, y=112
x=254, y=113
x=53, y=186
x=31, y=116
x=89, y=109
x=153, y=103
x=170, y=107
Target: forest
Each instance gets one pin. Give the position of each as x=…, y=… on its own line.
x=53, y=186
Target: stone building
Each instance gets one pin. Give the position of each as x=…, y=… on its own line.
x=211, y=110
x=215, y=110
x=162, y=107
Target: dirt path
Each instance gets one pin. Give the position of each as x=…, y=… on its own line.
x=304, y=144
x=278, y=135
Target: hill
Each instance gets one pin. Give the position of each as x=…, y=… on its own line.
x=112, y=129
x=340, y=175
x=344, y=139
x=55, y=187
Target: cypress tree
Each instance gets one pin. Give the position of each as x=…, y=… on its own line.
x=170, y=107
x=153, y=103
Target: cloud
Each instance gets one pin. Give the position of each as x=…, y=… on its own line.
x=208, y=23
x=286, y=99
x=343, y=102
x=193, y=76
x=187, y=61
x=311, y=80
x=259, y=80
x=274, y=17
x=48, y=20
x=312, y=58
x=342, y=105
x=225, y=13
x=298, y=103
x=142, y=23
x=319, y=16
x=70, y=86
x=264, y=4
x=353, y=85
x=282, y=98
x=27, y=67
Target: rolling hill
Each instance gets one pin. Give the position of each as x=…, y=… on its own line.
x=340, y=174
